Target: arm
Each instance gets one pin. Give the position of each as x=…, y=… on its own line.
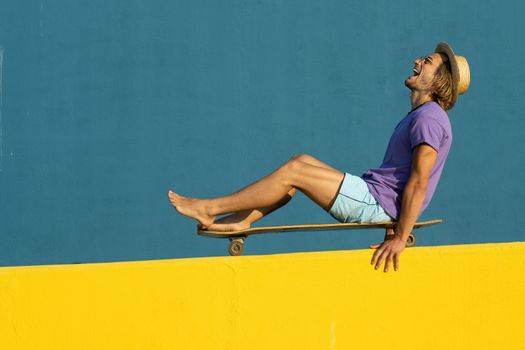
x=423, y=160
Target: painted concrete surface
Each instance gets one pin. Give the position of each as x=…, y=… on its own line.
x=446, y=297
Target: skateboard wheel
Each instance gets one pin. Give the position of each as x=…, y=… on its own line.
x=236, y=246
x=411, y=241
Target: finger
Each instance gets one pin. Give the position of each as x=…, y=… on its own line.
x=374, y=246
x=382, y=257
x=396, y=262
x=377, y=253
x=388, y=262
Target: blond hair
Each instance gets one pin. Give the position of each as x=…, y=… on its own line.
x=443, y=92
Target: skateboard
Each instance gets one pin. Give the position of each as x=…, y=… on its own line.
x=237, y=238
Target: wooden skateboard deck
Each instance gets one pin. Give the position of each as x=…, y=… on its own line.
x=237, y=238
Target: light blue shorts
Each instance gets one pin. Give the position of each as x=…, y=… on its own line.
x=355, y=203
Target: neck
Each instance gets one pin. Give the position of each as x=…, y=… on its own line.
x=417, y=98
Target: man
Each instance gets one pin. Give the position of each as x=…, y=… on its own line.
x=400, y=189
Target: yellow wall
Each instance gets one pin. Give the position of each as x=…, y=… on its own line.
x=451, y=297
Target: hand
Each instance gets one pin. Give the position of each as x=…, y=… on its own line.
x=390, y=250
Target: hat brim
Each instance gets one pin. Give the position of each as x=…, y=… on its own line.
x=445, y=49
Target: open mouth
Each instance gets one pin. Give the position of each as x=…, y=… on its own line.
x=416, y=72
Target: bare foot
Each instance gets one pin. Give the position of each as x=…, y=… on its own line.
x=191, y=207
x=233, y=222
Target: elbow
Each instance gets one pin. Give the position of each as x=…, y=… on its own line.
x=420, y=185
x=423, y=188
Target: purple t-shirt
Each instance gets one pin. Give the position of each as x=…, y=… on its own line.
x=428, y=124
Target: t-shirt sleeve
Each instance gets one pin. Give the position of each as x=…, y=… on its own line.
x=426, y=130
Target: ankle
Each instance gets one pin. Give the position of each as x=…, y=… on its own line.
x=209, y=209
x=252, y=217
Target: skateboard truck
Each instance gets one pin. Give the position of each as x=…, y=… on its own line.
x=236, y=246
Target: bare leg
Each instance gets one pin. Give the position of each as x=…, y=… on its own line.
x=242, y=220
x=318, y=183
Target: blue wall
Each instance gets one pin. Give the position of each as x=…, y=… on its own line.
x=105, y=105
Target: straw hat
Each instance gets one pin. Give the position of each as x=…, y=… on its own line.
x=460, y=70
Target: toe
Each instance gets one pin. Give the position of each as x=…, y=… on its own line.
x=172, y=195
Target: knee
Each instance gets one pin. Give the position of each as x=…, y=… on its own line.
x=290, y=170
x=303, y=157
x=294, y=164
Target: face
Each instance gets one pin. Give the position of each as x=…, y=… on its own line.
x=423, y=72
